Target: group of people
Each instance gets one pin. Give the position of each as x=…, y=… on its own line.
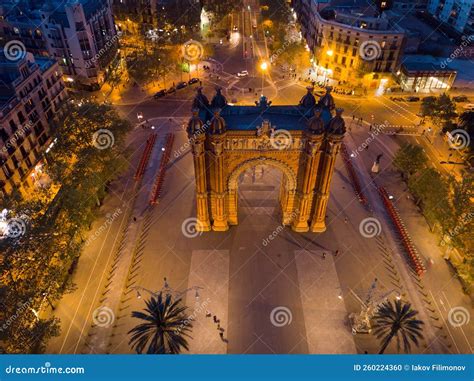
x=218, y=324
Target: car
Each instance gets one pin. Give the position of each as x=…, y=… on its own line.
x=193, y=80
x=181, y=85
x=469, y=107
x=413, y=99
x=243, y=73
x=159, y=94
x=235, y=28
x=171, y=90
x=429, y=99
x=461, y=98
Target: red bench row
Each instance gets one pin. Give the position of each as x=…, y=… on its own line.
x=156, y=192
x=352, y=175
x=145, y=157
x=415, y=260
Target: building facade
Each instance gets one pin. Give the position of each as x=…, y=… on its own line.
x=457, y=13
x=347, y=45
x=80, y=35
x=425, y=77
x=31, y=103
x=301, y=141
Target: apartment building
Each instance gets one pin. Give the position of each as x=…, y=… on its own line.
x=457, y=13
x=79, y=34
x=31, y=98
x=348, y=43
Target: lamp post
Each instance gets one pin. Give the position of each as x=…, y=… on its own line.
x=167, y=290
x=264, y=68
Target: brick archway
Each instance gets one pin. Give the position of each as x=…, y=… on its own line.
x=302, y=141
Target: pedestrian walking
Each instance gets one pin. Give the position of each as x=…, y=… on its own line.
x=336, y=253
x=134, y=219
x=324, y=255
x=346, y=220
x=221, y=334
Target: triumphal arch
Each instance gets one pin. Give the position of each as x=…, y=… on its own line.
x=302, y=141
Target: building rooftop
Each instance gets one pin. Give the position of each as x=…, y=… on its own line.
x=414, y=63
x=288, y=117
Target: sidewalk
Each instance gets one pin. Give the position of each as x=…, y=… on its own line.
x=439, y=289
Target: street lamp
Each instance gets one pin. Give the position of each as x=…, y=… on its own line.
x=264, y=68
x=330, y=53
x=167, y=290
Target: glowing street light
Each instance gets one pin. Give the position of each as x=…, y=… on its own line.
x=264, y=67
x=330, y=53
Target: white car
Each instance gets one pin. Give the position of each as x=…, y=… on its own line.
x=243, y=73
x=469, y=106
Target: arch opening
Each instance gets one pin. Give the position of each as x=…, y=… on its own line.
x=260, y=166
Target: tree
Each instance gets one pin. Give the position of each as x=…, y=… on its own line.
x=410, y=159
x=221, y=9
x=34, y=269
x=441, y=110
x=431, y=191
x=165, y=330
x=397, y=320
x=466, y=122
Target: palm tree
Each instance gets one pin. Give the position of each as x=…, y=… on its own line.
x=397, y=320
x=165, y=328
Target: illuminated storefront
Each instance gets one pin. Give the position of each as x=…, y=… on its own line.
x=425, y=77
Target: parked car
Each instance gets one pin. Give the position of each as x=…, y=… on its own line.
x=159, y=94
x=429, y=99
x=243, y=73
x=193, y=80
x=461, y=98
x=171, y=90
x=181, y=85
x=413, y=99
x=469, y=107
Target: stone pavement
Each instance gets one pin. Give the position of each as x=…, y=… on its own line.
x=327, y=326
x=439, y=292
